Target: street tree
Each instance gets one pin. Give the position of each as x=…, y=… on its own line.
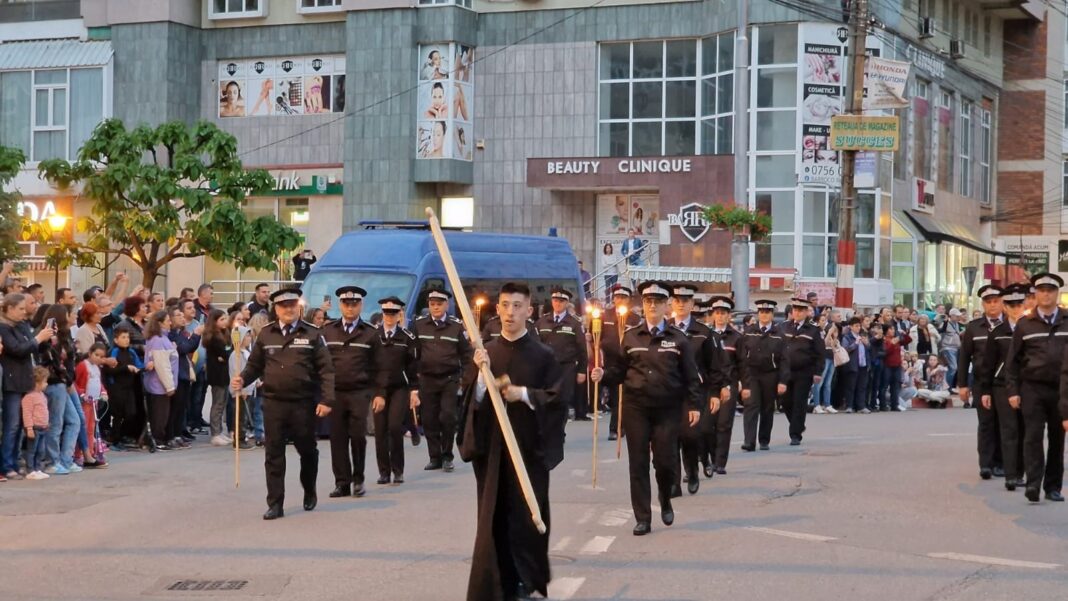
x=11, y=160
x=165, y=193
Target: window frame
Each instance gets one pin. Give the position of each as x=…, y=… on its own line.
x=436, y=3
x=50, y=127
x=257, y=13
x=986, y=148
x=314, y=10
x=966, y=183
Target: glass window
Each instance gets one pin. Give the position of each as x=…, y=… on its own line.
x=884, y=258
x=615, y=61
x=777, y=45
x=780, y=206
x=615, y=100
x=813, y=257
x=16, y=92
x=725, y=93
x=228, y=9
x=615, y=139
x=776, y=130
x=965, y=188
x=45, y=119
x=86, y=105
x=648, y=100
x=724, y=135
x=320, y=284
x=680, y=97
x=865, y=257
x=776, y=88
x=321, y=5
x=646, y=140
x=814, y=215
x=985, y=147
x=947, y=150
x=903, y=277
x=648, y=60
x=680, y=138
x=726, y=52
x=775, y=171
x=776, y=252
x=902, y=252
x=864, y=217
x=681, y=58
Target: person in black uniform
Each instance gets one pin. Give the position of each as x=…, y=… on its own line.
x=972, y=355
x=443, y=352
x=397, y=390
x=492, y=328
x=992, y=379
x=706, y=355
x=610, y=344
x=563, y=333
x=291, y=359
x=805, y=348
x=764, y=370
x=1035, y=370
x=659, y=376
x=717, y=439
x=354, y=345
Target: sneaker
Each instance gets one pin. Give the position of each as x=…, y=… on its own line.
x=229, y=438
x=74, y=468
x=849, y=411
x=95, y=465
x=37, y=476
x=899, y=408
x=865, y=411
x=55, y=470
x=164, y=447
x=831, y=410
x=219, y=441
x=818, y=410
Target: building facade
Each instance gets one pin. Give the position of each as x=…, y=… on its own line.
x=601, y=122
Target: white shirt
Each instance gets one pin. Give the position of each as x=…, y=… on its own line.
x=480, y=385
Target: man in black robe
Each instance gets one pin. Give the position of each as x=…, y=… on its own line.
x=511, y=559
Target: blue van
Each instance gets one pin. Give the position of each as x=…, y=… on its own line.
x=404, y=262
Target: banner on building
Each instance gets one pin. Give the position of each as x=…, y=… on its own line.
x=445, y=102
x=885, y=81
x=297, y=85
x=861, y=132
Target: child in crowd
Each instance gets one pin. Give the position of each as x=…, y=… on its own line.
x=936, y=392
x=122, y=387
x=89, y=384
x=35, y=420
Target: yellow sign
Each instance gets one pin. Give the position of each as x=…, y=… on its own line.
x=856, y=132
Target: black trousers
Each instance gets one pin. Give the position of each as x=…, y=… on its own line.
x=795, y=403
x=758, y=411
x=568, y=395
x=179, y=408
x=1010, y=429
x=288, y=420
x=438, y=410
x=846, y=382
x=660, y=427
x=348, y=434
x=988, y=437
x=389, y=432
x=613, y=407
x=159, y=411
x=689, y=443
x=717, y=431
x=1038, y=403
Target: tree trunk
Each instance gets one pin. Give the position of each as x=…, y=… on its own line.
x=149, y=275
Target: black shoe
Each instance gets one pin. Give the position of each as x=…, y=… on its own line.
x=342, y=490
x=764, y=447
x=985, y=473
x=188, y=436
x=522, y=592
x=721, y=470
x=446, y=466
x=1010, y=485
x=416, y=439
x=383, y=479
x=795, y=442
x=676, y=491
x=1055, y=496
x=398, y=478
x=433, y=465
x=748, y=448
x=693, y=485
x=709, y=471
x=667, y=514
x=310, y=500
x=1031, y=494
x=642, y=528
x=584, y=418
x=244, y=445
x=998, y=472
x=358, y=490
x=613, y=436
x=274, y=512
x=163, y=447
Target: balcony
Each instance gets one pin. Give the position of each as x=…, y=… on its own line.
x=19, y=11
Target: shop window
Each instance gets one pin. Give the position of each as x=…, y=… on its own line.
x=776, y=88
x=819, y=226
x=237, y=9
x=775, y=171
x=318, y=6
x=50, y=113
x=776, y=130
x=777, y=252
x=777, y=45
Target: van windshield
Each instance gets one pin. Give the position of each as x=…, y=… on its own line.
x=378, y=285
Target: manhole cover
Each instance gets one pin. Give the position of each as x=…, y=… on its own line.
x=211, y=587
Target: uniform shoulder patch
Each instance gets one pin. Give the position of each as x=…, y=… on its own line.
x=422, y=318
x=629, y=328
x=310, y=325
x=455, y=319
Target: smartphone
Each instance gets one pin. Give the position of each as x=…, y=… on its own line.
x=326, y=298
x=51, y=323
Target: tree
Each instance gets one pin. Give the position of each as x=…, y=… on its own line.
x=11, y=160
x=165, y=193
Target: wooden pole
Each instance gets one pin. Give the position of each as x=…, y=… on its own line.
x=235, y=340
x=487, y=375
x=596, y=386
x=621, y=325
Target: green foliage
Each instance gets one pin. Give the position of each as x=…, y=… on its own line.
x=739, y=220
x=166, y=193
x=11, y=160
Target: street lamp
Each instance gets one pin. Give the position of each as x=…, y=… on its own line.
x=56, y=223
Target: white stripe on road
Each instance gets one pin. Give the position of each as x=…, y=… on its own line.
x=615, y=517
x=995, y=561
x=598, y=544
x=816, y=538
x=561, y=544
x=578, y=473
x=587, y=516
x=563, y=589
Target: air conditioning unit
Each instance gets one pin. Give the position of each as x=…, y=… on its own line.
x=956, y=49
x=927, y=28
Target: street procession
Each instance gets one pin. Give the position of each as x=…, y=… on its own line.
x=490, y=300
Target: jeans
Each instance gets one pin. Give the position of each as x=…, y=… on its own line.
x=197, y=391
x=83, y=432
x=951, y=355
x=255, y=405
x=821, y=393
x=12, y=423
x=875, y=376
x=35, y=451
x=219, y=399
x=64, y=425
x=892, y=382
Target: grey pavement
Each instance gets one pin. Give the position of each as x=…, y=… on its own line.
x=884, y=506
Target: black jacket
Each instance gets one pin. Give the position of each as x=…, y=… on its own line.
x=292, y=368
x=17, y=356
x=444, y=350
x=707, y=355
x=805, y=348
x=397, y=361
x=656, y=371
x=763, y=353
x=218, y=363
x=58, y=357
x=186, y=343
x=491, y=330
x=973, y=341
x=355, y=355
x=728, y=342
x=567, y=339
x=1037, y=352
x=995, y=354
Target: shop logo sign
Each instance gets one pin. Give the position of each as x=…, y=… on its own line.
x=843, y=34
x=320, y=184
x=287, y=66
x=691, y=220
x=259, y=66
x=231, y=68
x=317, y=64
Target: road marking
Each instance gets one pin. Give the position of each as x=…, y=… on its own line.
x=844, y=437
x=598, y=544
x=816, y=538
x=578, y=473
x=587, y=516
x=952, y=434
x=615, y=517
x=564, y=588
x=996, y=561
x=561, y=544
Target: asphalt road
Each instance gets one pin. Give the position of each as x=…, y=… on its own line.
x=886, y=506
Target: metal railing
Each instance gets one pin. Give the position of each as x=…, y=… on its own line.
x=623, y=277
x=228, y=292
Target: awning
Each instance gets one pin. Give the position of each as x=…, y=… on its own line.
x=710, y=275
x=938, y=231
x=54, y=54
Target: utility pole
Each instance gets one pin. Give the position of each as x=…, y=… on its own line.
x=847, y=238
x=740, y=242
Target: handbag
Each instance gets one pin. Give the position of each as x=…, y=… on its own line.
x=841, y=356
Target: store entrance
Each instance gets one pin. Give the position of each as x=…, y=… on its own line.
x=618, y=216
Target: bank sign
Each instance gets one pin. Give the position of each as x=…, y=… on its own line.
x=691, y=221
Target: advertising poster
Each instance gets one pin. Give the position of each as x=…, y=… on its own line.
x=444, y=102
x=619, y=215
x=301, y=85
